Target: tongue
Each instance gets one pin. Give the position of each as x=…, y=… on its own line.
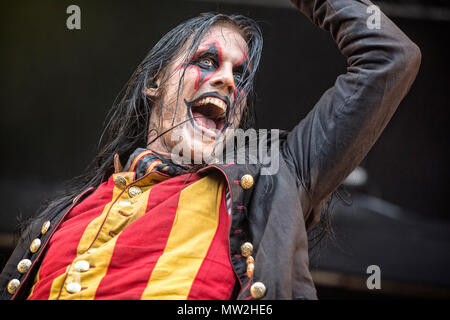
x=204, y=122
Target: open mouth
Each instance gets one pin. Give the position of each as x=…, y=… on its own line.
x=208, y=113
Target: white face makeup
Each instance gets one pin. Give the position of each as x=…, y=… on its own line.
x=202, y=99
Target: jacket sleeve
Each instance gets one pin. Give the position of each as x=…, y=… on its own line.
x=339, y=131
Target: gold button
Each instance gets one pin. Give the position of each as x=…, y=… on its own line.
x=246, y=249
x=250, y=268
x=73, y=287
x=120, y=181
x=250, y=260
x=258, y=290
x=82, y=266
x=24, y=265
x=35, y=245
x=124, y=203
x=13, y=285
x=134, y=191
x=45, y=227
x=246, y=181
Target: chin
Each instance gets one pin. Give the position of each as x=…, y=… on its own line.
x=190, y=146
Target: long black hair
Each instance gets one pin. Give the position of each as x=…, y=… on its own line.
x=127, y=123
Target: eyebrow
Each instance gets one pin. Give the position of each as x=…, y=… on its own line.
x=211, y=49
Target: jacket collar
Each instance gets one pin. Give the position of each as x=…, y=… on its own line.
x=143, y=161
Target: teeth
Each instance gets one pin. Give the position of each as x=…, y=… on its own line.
x=211, y=100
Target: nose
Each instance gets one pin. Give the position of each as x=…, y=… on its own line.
x=223, y=80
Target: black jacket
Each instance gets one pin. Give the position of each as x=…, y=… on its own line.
x=314, y=158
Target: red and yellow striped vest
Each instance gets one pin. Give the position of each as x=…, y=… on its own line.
x=143, y=234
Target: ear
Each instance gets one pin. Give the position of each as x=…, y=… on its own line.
x=152, y=89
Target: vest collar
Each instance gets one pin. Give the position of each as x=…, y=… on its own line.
x=143, y=161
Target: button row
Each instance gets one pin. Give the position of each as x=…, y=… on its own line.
x=258, y=289
x=133, y=191
x=74, y=286
x=25, y=264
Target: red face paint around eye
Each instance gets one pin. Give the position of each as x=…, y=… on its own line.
x=212, y=51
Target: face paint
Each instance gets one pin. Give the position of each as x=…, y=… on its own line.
x=207, y=62
x=240, y=69
x=207, y=84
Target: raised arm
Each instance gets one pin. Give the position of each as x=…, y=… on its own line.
x=347, y=120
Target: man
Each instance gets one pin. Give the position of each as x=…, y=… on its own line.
x=160, y=229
